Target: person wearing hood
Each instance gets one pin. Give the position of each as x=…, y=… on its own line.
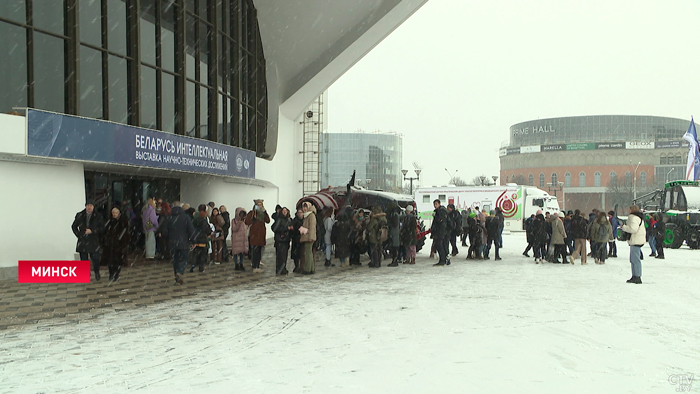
x=115, y=242
x=87, y=227
x=179, y=230
x=239, y=239
x=150, y=224
x=223, y=212
x=539, y=236
x=282, y=227
x=376, y=222
x=635, y=227
x=307, y=237
x=256, y=219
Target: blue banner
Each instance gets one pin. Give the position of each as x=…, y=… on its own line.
x=71, y=137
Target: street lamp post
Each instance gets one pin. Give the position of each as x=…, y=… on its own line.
x=635, y=181
x=417, y=177
x=451, y=176
x=668, y=173
x=555, y=188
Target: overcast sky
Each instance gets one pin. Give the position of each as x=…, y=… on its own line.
x=458, y=73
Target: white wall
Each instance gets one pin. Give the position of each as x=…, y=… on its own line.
x=14, y=136
x=39, y=204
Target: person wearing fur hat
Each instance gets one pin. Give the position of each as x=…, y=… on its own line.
x=87, y=227
x=308, y=237
x=256, y=219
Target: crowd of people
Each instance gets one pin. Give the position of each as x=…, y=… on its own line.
x=186, y=235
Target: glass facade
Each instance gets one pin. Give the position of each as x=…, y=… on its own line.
x=377, y=157
x=190, y=67
x=599, y=128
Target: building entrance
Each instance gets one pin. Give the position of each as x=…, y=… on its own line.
x=110, y=189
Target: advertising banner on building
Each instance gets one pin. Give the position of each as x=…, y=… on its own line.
x=670, y=144
x=610, y=145
x=639, y=145
x=530, y=149
x=513, y=151
x=502, y=152
x=581, y=146
x=553, y=148
x=75, y=138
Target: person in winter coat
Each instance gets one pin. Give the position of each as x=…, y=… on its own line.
x=539, y=236
x=226, y=229
x=456, y=227
x=217, y=238
x=162, y=251
x=614, y=223
x=635, y=226
x=115, y=243
x=569, y=240
x=440, y=232
x=528, y=234
x=239, y=238
x=579, y=232
x=376, y=222
x=256, y=219
x=358, y=246
x=282, y=228
x=340, y=237
x=409, y=235
x=179, y=231
x=150, y=224
x=651, y=236
x=474, y=251
x=200, y=238
x=601, y=232
x=659, y=234
x=296, y=253
x=558, y=236
x=492, y=236
x=465, y=225
x=393, y=214
x=87, y=227
x=307, y=238
x=328, y=223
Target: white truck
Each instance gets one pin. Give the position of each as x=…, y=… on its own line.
x=516, y=201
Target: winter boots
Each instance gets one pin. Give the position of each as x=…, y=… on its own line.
x=635, y=279
x=328, y=264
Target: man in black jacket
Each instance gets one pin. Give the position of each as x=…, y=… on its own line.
x=225, y=230
x=456, y=227
x=439, y=232
x=200, y=238
x=178, y=228
x=579, y=232
x=87, y=227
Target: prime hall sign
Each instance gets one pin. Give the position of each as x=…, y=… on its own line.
x=53, y=271
x=533, y=130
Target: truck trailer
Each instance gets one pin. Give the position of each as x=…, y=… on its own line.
x=517, y=202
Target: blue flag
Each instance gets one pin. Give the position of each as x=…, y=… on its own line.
x=692, y=172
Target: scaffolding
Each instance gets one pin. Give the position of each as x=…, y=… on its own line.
x=312, y=129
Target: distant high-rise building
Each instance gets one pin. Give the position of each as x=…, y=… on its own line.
x=376, y=158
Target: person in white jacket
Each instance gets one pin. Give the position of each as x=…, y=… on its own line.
x=635, y=226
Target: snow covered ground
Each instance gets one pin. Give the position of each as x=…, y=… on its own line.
x=472, y=327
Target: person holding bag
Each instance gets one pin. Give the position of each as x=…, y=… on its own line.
x=637, y=231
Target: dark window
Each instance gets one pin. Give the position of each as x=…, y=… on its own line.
x=541, y=180
x=116, y=26
x=643, y=179
x=203, y=112
x=582, y=179
x=530, y=180
x=90, y=22
x=148, y=98
x=168, y=102
x=48, y=15
x=118, y=91
x=567, y=179
x=13, y=66
x=191, y=48
x=596, y=179
x=13, y=10
x=90, y=83
x=148, y=32
x=49, y=88
x=167, y=37
x=191, y=108
x=204, y=53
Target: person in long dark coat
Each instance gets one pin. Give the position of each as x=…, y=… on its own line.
x=540, y=236
x=225, y=228
x=282, y=228
x=297, y=251
x=180, y=231
x=341, y=237
x=115, y=243
x=87, y=227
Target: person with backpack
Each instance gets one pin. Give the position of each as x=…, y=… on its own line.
x=601, y=231
x=377, y=234
x=200, y=238
x=635, y=227
x=440, y=231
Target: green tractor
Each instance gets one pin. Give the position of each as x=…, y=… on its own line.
x=678, y=205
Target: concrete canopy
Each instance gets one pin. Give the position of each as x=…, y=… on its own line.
x=309, y=44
